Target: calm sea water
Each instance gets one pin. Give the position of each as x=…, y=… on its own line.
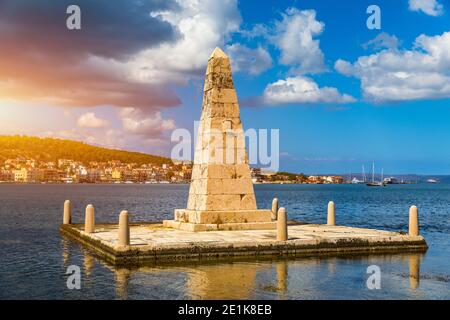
x=34, y=256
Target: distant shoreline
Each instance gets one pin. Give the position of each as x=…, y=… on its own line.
x=87, y=183
x=187, y=183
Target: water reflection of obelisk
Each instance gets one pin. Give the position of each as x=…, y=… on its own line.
x=225, y=281
x=122, y=279
x=88, y=262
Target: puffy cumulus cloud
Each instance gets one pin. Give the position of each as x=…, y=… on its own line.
x=429, y=7
x=295, y=36
x=136, y=130
x=90, y=120
x=301, y=89
x=382, y=41
x=253, y=61
x=41, y=60
x=344, y=67
x=202, y=25
x=392, y=75
x=149, y=126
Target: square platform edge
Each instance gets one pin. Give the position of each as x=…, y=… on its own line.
x=196, y=252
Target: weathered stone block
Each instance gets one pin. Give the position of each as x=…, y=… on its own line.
x=223, y=96
x=191, y=205
x=197, y=227
x=248, y=202
x=232, y=110
x=242, y=171
x=214, y=202
x=197, y=172
x=218, y=63
x=222, y=80
x=220, y=171
x=220, y=217
x=241, y=186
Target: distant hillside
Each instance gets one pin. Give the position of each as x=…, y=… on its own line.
x=49, y=149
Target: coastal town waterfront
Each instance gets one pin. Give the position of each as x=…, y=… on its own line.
x=29, y=170
x=26, y=170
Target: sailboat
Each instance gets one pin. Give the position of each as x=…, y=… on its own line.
x=357, y=181
x=374, y=183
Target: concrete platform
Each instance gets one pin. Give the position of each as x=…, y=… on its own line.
x=154, y=243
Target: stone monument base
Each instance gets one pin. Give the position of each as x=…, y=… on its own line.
x=193, y=220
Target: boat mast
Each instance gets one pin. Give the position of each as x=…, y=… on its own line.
x=373, y=171
x=364, y=174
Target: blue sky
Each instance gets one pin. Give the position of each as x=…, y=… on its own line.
x=402, y=136
x=342, y=95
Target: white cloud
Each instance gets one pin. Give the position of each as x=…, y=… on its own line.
x=136, y=122
x=140, y=131
x=90, y=120
x=203, y=25
x=110, y=138
x=429, y=7
x=344, y=67
x=294, y=36
x=302, y=89
x=253, y=61
x=62, y=134
x=392, y=75
x=256, y=31
x=106, y=138
x=382, y=41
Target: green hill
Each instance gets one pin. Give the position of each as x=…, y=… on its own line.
x=49, y=149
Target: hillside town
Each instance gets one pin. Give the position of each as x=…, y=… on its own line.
x=22, y=170
x=261, y=176
x=26, y=170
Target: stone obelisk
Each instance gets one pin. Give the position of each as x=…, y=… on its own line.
x=221, y=195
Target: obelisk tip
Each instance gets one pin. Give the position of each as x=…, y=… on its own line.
x=218, y=53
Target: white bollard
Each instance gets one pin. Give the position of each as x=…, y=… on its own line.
x=89, y=219
x=331, y=218
x=413, y=221
x=67, y=216
x=282, y=231
x=274, y=208
x=124, y=229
